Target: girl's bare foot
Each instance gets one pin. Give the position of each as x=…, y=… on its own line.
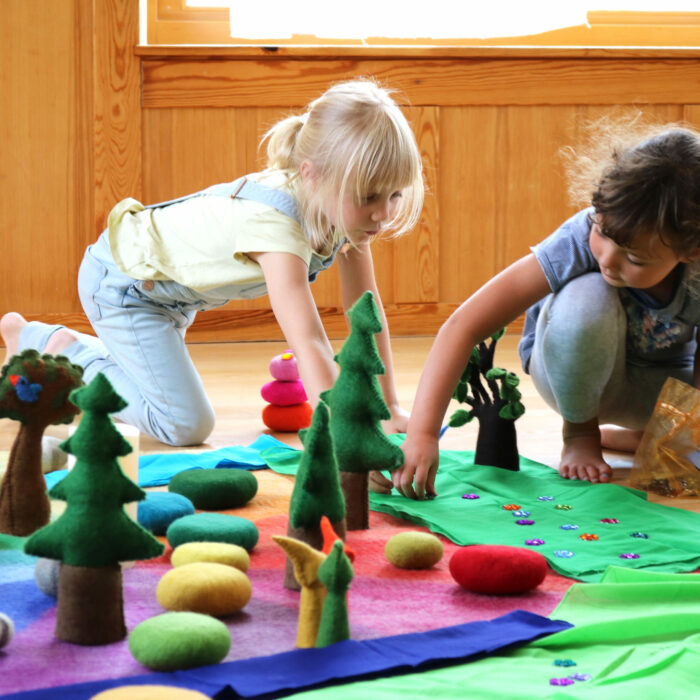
x=619, y=439
x=11, y=325
x=581, y=456
x=59, y=341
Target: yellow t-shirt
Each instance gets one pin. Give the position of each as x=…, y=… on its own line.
x=203, y=242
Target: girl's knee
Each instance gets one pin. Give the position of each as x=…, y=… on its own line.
x=193, y=430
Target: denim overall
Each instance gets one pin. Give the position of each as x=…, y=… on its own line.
x=141, y=329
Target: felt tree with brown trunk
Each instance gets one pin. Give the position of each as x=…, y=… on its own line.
x=94, y=533
x=494, y=398
x=357, y=409
x=316, y=490
x=34, y=390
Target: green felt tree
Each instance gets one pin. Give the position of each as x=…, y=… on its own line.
x=94, y=533
x=357, y=409
x=316, y=491
x=34, y=390
x=335, y=573
x=494, y=398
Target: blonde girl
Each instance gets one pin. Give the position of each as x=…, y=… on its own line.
x=338, y=176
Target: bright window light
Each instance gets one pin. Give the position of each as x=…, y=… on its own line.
x=438, y=19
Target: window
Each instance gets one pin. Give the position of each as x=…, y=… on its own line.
x=318, y=22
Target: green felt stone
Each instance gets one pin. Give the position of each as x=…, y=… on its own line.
x=215, y=489
x=213, y=527
x=178, y=640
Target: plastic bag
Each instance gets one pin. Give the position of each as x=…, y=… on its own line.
x=667, y=460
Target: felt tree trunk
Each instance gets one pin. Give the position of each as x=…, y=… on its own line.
x=34, y=390
x=497, y=442
x=90, y=608
x=24, y=502
x=355, y=487
x=316, y=490
x=94, y=533
x=357, y=409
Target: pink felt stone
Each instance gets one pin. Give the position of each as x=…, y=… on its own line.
x=284, y=393
x=287, y=419
x=284, y=367
x=497, y=569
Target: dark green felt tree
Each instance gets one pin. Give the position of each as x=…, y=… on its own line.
x=357, y=409
x=335, y=573
x=316, y=490
x=94, y=533
x=34, y=390
x=494, y=398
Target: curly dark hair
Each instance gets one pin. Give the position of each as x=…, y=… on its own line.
x=654, y=187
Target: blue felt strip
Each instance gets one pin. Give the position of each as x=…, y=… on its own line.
x=158, y=469
x=270, y=676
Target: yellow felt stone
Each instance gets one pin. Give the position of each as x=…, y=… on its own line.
x=204, y=587
x=149, y=692
x=413, y=550
x=218, y=552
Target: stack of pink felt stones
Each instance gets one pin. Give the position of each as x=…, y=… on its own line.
x=287, y=410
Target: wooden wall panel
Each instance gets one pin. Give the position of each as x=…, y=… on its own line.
x=157, y=124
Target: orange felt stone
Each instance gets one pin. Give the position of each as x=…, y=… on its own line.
x=287, y=419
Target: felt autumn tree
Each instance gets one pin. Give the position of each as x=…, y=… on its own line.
x=335, y=573
x=357, y=409
x=34, y=390
x=94, y=533
x=494, y=400
x=316, y=490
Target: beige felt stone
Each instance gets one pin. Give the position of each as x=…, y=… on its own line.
x=149, y=692
x=218, y=552
x=413, y=550
x=204, y=587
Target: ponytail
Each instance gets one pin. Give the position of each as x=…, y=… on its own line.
x=281, y=139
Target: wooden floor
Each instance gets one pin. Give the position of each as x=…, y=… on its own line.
x=234, y=372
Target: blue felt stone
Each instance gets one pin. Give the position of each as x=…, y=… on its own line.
x=213, y=527
x=161, y=508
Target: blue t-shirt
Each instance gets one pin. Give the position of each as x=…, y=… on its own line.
x=656, y=334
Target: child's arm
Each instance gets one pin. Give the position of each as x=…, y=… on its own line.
x=356, y=271
x=499, y=302
x=287, y=279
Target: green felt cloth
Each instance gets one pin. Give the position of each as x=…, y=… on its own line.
x=672, y=544
x=636, y=633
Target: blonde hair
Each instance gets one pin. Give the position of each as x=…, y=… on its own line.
x=359, y=143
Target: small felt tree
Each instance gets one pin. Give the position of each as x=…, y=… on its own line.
x=357, y=409
x=316, y=490
x=335, y=573
x=34, y=390
x=94, y=533
x=494, y=398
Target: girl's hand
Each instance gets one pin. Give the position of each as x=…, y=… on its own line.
x=416, y=478
x=398, y=421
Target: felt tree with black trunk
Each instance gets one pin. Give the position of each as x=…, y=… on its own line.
x=94, y=533
x=494, y=398
x=34, y=390
x=357, y=409
x=316, y=490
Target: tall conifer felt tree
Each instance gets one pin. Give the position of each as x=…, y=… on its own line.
x=357, y=409
x=316, y=490
x=94, y=533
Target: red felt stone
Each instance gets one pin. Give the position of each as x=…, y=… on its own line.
x=283, y=393
x=287, y=419
x=497, y=569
